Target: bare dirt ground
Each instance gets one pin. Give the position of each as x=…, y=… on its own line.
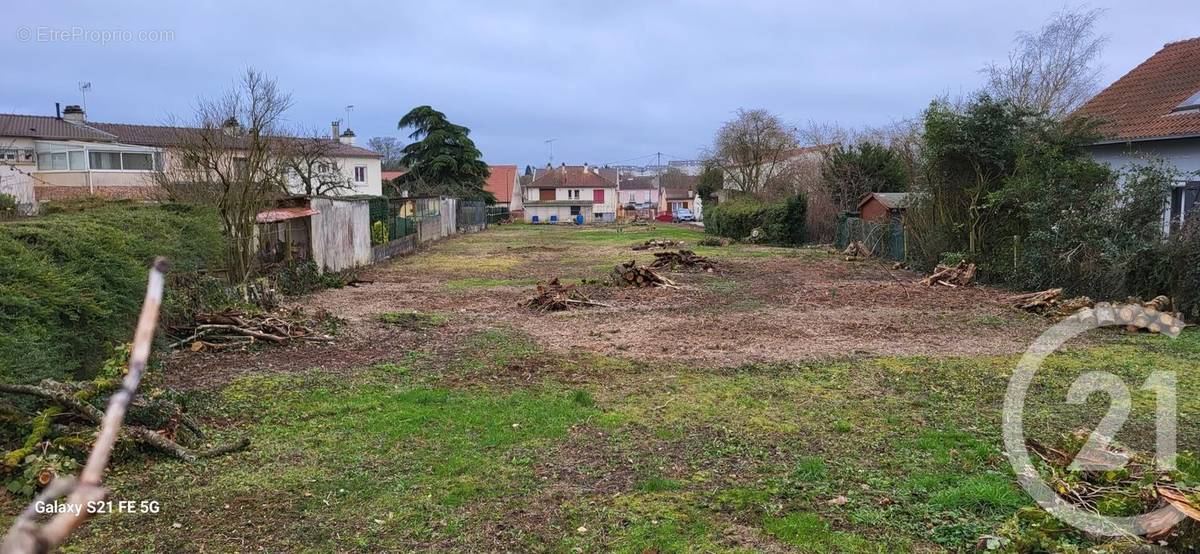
x=763, y=304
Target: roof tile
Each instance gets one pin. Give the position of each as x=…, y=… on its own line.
x=1140, y=104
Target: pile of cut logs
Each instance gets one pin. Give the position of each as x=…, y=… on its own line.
x=630, y=274
x=658, y=243
x=1156, y=316
x=554, y=296
x=685, y=259
x=959, y=275
x=236, y=327
x=856, y=249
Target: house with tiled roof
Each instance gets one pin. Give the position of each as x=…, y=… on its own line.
x=44, y=157
x=504, y=183
x=1154, y=112
x=570, y=193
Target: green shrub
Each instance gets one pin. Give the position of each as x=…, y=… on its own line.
x=781, y=223
x=8, y=204
x=71, y=283
x=379, y=233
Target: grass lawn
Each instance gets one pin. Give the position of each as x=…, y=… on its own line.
x=496, y=440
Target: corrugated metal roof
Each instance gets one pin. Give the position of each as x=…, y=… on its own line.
x=283, y=214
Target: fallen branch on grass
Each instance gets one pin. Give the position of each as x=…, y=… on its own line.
x=960, y=275
x=554, y=296
x=233, y=327
x=26, y=535
x=658, y=243
x=685, y=259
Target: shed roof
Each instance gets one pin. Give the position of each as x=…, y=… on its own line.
x=890, y=200
x=283, y=214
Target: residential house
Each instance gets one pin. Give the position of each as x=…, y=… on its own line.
x=799, y=164
x=504, y=183
x=66, y=156
x=638, y=196
x=678, y=192
x=1154, y=112
x=570, y=193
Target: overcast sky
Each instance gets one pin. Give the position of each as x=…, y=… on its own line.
x=609, y=81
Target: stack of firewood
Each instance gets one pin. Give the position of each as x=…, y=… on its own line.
x=683, y=259
x=1156, y=316
x=658, y=243
x=959, y=275
x=630, y=274
x=237, y=327
x=555, y=296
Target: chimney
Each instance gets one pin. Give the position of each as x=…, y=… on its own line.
x=230, y=126
x=74, y=114
x=585, y=167
x=57, y=110
x=337, y=130
x=347, y=137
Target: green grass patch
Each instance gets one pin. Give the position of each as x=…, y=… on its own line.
x=412, y=320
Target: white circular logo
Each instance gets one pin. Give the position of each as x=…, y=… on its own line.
x=1095, y=455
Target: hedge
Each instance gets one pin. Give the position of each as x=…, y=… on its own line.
x=779, y=223
x=72, y=282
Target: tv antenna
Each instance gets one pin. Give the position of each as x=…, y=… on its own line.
x=550, y=149
x=84, y=87
x=349, y=107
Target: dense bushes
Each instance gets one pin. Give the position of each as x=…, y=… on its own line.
x=780, y=223
x=1017, y=193
x=71, y=283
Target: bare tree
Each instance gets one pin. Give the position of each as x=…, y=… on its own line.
x=310, y=160
x=753, y=150
x=1055, y=70
x=231, y=157
x=390, y=148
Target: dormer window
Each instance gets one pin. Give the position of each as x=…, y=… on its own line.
x=1192, y=103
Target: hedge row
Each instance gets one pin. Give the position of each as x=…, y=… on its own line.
x=71, y=283
x=779, y=223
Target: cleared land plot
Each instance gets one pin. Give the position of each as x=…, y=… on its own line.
x=727, y=415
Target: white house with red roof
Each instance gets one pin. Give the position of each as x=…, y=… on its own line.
x=1153, y=112
x=570, y=194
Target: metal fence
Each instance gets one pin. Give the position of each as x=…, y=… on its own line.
x=884, y=238
x=497, y=214
x=395, y=214
x=472, y=215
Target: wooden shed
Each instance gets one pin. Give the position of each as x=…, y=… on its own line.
x=882, y=206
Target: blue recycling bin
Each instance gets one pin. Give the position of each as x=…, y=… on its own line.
x=535, y=219
x=553, y=219
x=579, y=220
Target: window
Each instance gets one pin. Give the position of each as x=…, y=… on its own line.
x=16, y=155
x=241, y=168
x=119, y=161
x=573, y=194
x=575, y=210
x=1183, y=201
x=1192, y=103
x=360, y=174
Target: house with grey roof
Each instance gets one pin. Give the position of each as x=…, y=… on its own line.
x=52, y=157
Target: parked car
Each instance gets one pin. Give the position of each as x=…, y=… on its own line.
x=682, y=214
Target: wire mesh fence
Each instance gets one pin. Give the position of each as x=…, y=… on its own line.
x=472, y=215
x=395, y=214
x=884, y=238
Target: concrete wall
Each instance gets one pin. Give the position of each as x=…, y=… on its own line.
x=402, y=246
x=341, y=233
